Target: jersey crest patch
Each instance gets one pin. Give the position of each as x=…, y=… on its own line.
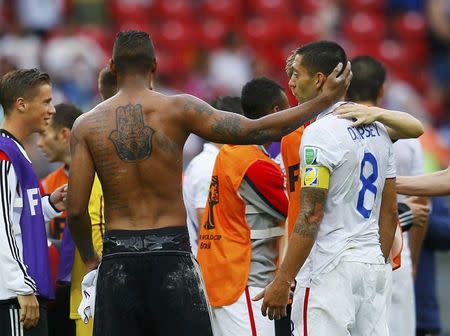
x=310, y=155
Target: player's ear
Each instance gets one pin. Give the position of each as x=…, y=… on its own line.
x=154, y=66
x=381, y=93
x=112, y=67
x=20, y=104
x=65, y=132
x=320, y=80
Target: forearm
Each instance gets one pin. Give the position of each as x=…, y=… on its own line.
x=416, y=235
x=388, y=217
x=400, y=125
x=435, y=184
x=81, y=230
x=298, y=251
x=230, y=128
x=273, y=127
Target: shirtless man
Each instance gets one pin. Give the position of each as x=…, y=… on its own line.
x=148, y=282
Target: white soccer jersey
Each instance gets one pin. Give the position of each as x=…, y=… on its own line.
x=196, y=182
x=359, y=160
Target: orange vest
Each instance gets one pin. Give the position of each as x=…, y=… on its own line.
x=290, y=151
x=224, y=245
x=50, y=183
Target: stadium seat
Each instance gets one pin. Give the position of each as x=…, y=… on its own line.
x=227, y=11
x=211, y=33
x=410, y=26
x=309, y=7
x=364, y=27
x=269, y=8
x=176, y=34
x=137, y=11
x=259, y=31
x=364, y=5
x=304, y=30
x=180, y=10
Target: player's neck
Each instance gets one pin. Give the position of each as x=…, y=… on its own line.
x=366, y=103
x=134, y=82
x=17, y=128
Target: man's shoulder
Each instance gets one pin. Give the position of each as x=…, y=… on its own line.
x=55, y=179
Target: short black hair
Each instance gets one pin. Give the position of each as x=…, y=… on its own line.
x=107, y=83
x=322, y=56
x=133, y=52
x=259, y=96
x=368, y=78
x=228, y=103
x=65, y=115
x=20, y=83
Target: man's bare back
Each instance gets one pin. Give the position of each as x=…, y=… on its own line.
x=134, y=142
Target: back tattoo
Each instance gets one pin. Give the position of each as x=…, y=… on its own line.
x=132, y=138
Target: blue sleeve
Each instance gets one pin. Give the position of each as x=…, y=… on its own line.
x=438, y=234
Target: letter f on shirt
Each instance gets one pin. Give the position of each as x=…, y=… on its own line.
x=32, y=200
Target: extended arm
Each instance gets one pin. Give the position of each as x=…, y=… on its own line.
x=223, y=127
x=400, y=125
x=312, y=207
x=388, y=217
x=435, y=184
x=81, y=178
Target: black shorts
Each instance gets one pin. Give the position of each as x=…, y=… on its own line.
x=10, y=324
x=150, y=284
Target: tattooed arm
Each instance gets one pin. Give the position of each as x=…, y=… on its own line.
x=312, y=207
x=223, y=127
x=81, y=178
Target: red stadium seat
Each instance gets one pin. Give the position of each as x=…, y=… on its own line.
x=211, y=33
x=180, y=10
x=394, y=55
x=261, y=32
x=304, y=30
x=227, y=11
x=137, y=11
x=410, y=26
x=364, y=5
x=177, y=35
x=309, y=7
x=269, y=8
x=364, y=27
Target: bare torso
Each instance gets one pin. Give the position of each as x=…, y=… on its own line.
x=136, y=144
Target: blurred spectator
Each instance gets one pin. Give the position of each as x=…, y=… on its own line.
x=38, y=15
x=89, y=12
x=437, y=238
x=73, y=61
x=20, y=46
x=230, y=66
x=199, y=82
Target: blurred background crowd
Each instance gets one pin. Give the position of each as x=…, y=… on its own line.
x=212, y=47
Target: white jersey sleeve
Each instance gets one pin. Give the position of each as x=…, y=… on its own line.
x=14, y=278
x=48, y=209
x=391, y=170
x=320, y=148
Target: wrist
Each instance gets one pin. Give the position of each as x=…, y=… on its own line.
x=377, y=113
x=52, y=203
x=283, y=279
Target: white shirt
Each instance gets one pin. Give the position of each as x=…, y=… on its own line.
x=14, y=278
x=196, y=181
x=409, y=162
x=359, y=161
